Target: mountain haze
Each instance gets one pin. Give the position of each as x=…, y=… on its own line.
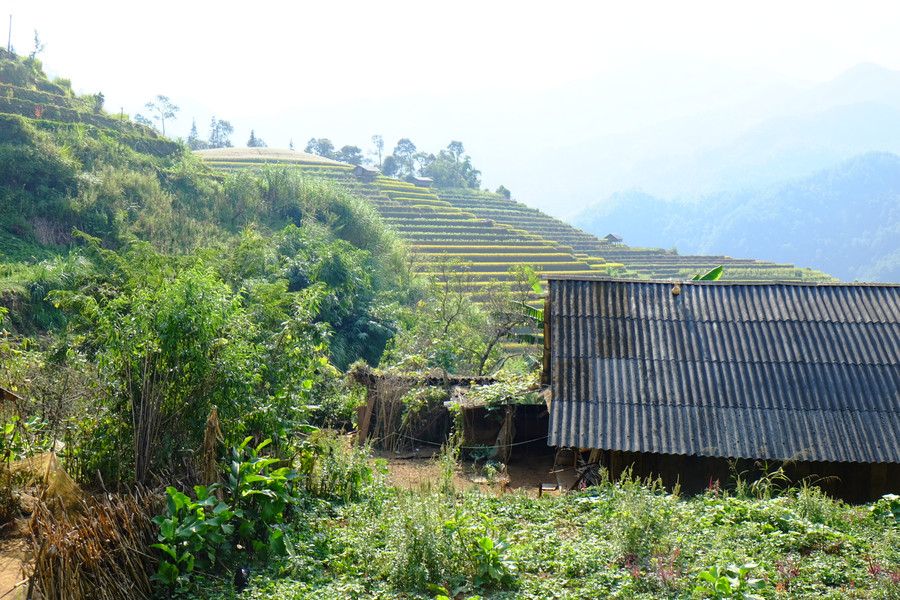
x=673, y=127
x=844, y=220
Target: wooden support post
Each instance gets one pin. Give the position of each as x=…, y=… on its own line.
x=364, y=418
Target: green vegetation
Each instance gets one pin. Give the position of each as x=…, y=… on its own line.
x=173, y=325
x=627, y=539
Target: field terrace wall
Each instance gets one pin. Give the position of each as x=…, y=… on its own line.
x=42, y=105
x=683, y=380
x=621, y=260
x=48, y=111
x=438, y=230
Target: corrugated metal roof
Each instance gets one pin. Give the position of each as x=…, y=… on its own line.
x=770, y=370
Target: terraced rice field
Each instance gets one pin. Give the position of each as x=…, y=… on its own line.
x=654, y=263
x=494, y=233
x=437, y=230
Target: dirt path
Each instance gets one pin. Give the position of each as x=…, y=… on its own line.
x=14, y=554
x=526, y=471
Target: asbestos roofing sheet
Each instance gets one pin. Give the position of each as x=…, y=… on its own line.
x=839, y=436
x=798, y=386
x=738, y=370
x=704, y=301
x=743, y=341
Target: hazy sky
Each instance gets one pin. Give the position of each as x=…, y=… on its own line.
x=245, y=59
x=512, y=80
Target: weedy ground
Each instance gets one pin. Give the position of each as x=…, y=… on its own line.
x=624, y=539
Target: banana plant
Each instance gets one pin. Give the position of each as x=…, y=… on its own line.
x=711, y=275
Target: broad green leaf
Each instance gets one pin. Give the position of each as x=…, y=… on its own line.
x=167, y=528
x=167, y=549
x=167, y=573
x=711, y=275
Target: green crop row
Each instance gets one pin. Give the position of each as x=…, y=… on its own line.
x=461, y=218
x=437, y=225
x=245, y=163
x=396, y=186
x=433, y=212
x=455, y=238
x=485, y=279
x=413, y=191
x=38, y=96
x=548, y=257
x=515, y=260
x=486, y=248
x=420, y=200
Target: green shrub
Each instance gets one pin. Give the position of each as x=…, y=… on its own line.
x=191, y=533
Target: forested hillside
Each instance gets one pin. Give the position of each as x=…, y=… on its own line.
x=843, y=220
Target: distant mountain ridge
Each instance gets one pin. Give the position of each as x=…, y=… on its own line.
x=781, y=133
x=653, y=126
x=843, y=220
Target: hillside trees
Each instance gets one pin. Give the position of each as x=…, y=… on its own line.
x=350, y=154
x=255, y=142
x=160, y=110
x=249, y=328
x=39, y=46
x=193, y=139
x=220, y=133
x=219, y=136
x=448, y=171
x=449, y=168
x=390, y=166
x=97, y=102
x=445, y=329
x=378, y=143
x=336, y=239
x=172, y=339
x=456, y=149
x=162, y=345
x=404, y=154
x=321, y=147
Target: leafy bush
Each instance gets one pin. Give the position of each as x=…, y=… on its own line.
x=484, y=551
x=191, y=533
x=259, y=496
x=887, y=509
x=197, y=533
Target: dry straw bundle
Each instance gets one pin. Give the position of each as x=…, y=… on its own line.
x=57, y=489
x=103, y=554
